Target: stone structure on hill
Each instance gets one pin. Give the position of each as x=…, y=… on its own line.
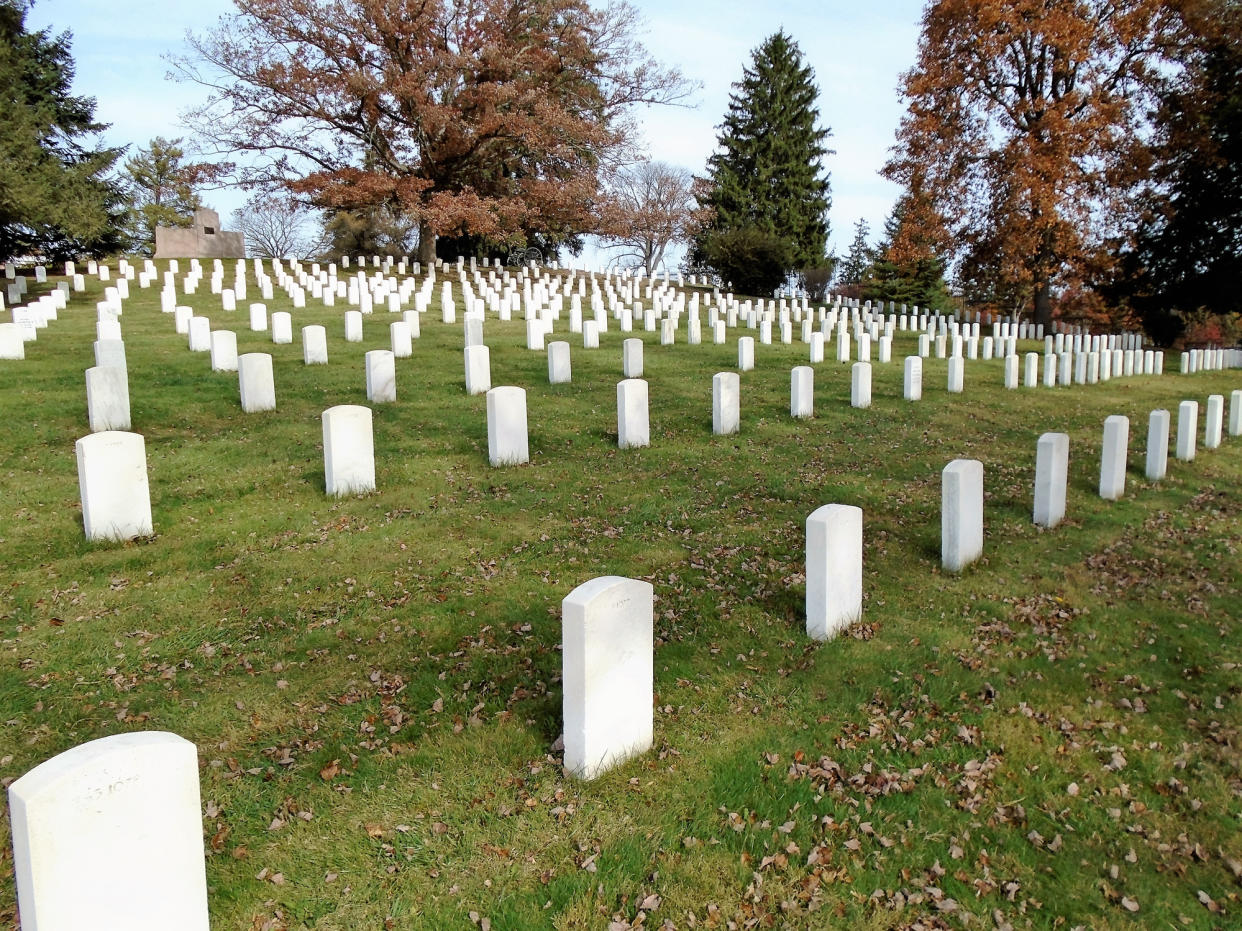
x=203, y=240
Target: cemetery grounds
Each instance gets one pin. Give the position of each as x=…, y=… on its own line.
x=1049, y=739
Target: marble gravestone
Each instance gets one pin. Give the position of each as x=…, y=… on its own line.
x=961, y=514
x=608, y=644
x=507, y=442
x=109, y=835
x=633, y=422
x=834, y=556
x=348, y=450
x=112, y=481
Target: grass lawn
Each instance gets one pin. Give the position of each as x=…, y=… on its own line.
x=1049, y=739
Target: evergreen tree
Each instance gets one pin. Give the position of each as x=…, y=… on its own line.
x=161, y=188
x=766, y=188
x=55, y=200
x=1187, y=256
x=907, y=267
x=858, y=260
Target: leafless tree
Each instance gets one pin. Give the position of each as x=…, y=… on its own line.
x=276, y=227
x=649, y=208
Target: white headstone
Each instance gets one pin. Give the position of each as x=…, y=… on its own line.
x=1011, y=371
x=107, y=398
x=411, y=318
x=1187, y=429
x=957, y=373
x=633, y=422
x=1051, y=478
x=961, y=513
x=258, y=317
x=632, y=358
x=536, y=332
x=109, y=835
x=1213, y=421
x=348, y=450
x=12, y=346
x=314, y=345
x=860, y=384
x=402, y=341
x=353, y=326
x=607, y=673
x=802, y=391
x=1030, y=375
x=110, y=352
x=381, y=376
x=112, y=479
x=507, y=442
x=256, y=382
x=478, y=360
x=1157, y=445
x=200, y=334
x=223, y=351
x=282, y=327
x=1235, y=413
x=817, y=347
x=745, y=353
x=559, y=372
x=834, y=557
x=1113, y=457
x=913, y=385
x=726, y=403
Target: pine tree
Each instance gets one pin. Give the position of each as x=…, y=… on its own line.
x=766, y=188
x=906, y=267
x=1186, y=259
x=161, y=187
x=858, y=260
x=55, y=199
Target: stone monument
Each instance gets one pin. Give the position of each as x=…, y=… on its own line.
x=203, y=240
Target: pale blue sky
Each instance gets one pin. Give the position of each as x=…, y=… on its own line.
x=858, y=52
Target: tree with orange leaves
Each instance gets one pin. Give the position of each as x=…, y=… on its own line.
x=1025, y=128
x=486, y=118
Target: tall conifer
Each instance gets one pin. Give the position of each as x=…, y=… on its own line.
x=766, y=185
x=858, y=260
x=907, y=267
x=55, y=198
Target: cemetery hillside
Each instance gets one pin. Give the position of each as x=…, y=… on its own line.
x=589, y=650
x=456, y=474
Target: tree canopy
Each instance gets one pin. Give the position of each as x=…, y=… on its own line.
x=907, y=266
x=161, y=190
x=1185, y=258
x=649, y=207
x=487, y=118
x=1025, y=125
x=55, y=198
x=856, y=262
x=766, y=189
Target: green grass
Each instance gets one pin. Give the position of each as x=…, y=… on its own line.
x=373, y=683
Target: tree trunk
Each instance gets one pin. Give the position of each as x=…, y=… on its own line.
x=1043, y=303
x=426, y=245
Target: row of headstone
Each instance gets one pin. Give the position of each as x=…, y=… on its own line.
x=116, y=504
x=1113, y=460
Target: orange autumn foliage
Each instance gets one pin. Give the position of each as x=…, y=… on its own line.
x=483, y=117
x=1025, y=130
